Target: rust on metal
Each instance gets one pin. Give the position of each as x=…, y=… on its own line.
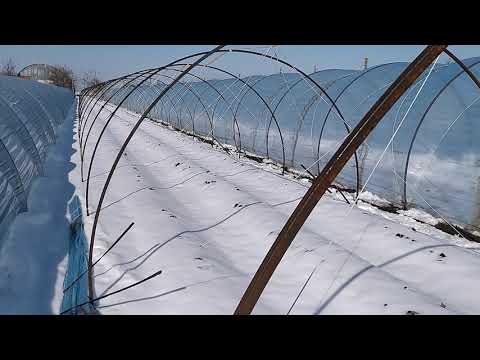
x=330, y=172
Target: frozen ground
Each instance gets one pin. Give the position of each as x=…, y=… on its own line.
x=207, y=219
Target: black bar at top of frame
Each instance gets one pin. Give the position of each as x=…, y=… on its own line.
x=240, y=23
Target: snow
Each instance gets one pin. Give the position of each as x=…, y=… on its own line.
x=33, y=255
x=207, y=218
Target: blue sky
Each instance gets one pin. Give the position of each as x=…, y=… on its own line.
x=114, y=60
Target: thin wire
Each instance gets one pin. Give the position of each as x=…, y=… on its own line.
x=301, y=291
x=354, y=203
x=424, y=168
x=394, y=134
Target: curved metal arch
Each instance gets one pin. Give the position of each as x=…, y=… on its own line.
x=112, y=84
x=90, y=94
x=240, y=101
x=290, y=88
x=124, y=87
x=46, y=124
x=463, y=66
x=340, y=114
x=82, y=148
x=333, y=105
x=261, y=98
x=173, y=104
x=99, y=138
x=290, y=66
x=46, y=132
x=220, y=96
x=19, y=188
x=48, y=91
x=50, y=117
x=198, y=97
x=348, y=131
x=125, y=144
x=116, y=109
x=315, y=111
x=298, y=82
x=84, y=102
x=103, y=131
x=363, y=73
x=405, y=173
x=399, y=109
x=296, y=69
x=141, y=93
x=83, y=96
x=143, y=90
x=329, y=173
x=272, y=96
x=28, y=140
x=112, y=95
x=97, y=97
x=266, y=105
x=291, y=85
x=307, y=108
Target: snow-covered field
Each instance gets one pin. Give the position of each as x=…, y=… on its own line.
x=207, y=219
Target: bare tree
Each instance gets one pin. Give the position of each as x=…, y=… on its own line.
x=61, y=75
x=9, y=68
x=90, y=78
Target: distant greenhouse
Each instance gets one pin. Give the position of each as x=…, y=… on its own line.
x=39, y=72
x=48, y=74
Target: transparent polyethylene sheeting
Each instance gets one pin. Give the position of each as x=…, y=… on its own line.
x=431, y=163
x=29, y=115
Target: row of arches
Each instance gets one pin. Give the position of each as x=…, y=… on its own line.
x=30, y=113
x=295, y=119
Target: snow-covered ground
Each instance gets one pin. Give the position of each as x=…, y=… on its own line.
x=207, y=219
x=33, y=253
